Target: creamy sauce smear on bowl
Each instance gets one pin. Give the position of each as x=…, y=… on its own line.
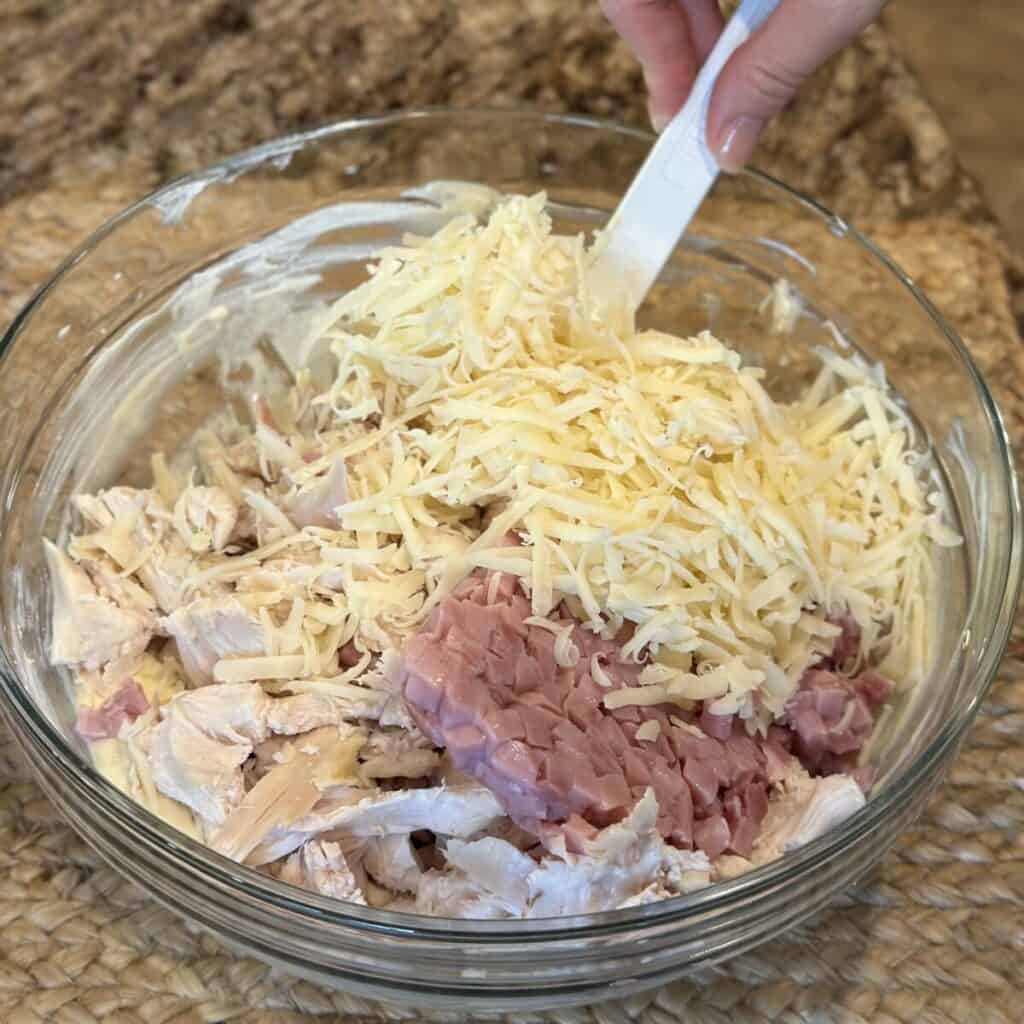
x=517, y=610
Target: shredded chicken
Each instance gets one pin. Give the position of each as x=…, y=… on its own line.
x=88, y=629
x=399, y=754
x=205, y=518
x=284, y=795
x=212, y=628
x=321, y=867
x=446, y=810
x=134, y=528
x=204, y=736
x=391, y=862
x=621, y=865
x=317, y=503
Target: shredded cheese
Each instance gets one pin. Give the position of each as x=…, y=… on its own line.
x=649, y=730
x=482, y=391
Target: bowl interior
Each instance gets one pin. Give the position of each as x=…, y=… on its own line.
x=143, y=337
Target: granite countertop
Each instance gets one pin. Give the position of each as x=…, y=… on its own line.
x=104, y=100
x=143, y=92
x=163, y=87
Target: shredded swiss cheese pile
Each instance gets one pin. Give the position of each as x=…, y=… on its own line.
x=651, y=478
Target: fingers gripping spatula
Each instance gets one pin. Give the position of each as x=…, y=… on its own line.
x=673, y=181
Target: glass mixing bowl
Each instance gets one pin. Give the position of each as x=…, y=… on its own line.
x=117, y=355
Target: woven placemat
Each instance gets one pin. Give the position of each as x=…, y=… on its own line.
x=933, y=936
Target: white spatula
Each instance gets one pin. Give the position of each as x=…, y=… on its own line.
x=674, y=179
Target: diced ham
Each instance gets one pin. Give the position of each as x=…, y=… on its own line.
x=349, y=655
x=711, y=835
x=482, y=681
x=832, y=717
x=105, y=721
x=717, y=726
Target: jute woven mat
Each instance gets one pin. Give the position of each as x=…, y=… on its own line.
x=934, y=936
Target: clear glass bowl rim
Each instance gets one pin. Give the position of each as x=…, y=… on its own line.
x=144, y=827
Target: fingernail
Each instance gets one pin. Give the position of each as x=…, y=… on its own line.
x=738, y=146
x=658, y=121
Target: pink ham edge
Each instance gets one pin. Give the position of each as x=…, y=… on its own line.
x=105, y=722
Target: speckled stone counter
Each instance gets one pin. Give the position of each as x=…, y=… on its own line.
x=102, y=100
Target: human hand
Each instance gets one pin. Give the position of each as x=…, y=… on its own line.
x=671, y=39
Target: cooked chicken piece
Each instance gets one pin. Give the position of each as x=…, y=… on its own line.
x=389, y=678
x=134, y=527
x=681, y=872
x=497, y=870
x=247, y=526
x=338, y=765
x=217, y=471
x=204, y=737
x=452, y=894
x=321, y=867
x=200, y=770
x=375, y=698
x=243, y=457
x=205, y=518
x=390, y=861
x=88, y=629
x=398, y=754
x=446, y=810
x=127, y=505
x=359, y=702
x=128, y=769
x=285, y=794
x=166, y=572
x=272, y=522
x=129, y=597
x=304, y=711
x=510, y=832
x=265, y=755
x=616, y=866
x=316, y=502
x=335, y=750
x=209, y=629
x=808, y=808
x=122, y=590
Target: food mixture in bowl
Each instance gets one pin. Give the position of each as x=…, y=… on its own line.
x=497, y=606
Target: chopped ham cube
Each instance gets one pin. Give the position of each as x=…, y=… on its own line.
x=105, y=721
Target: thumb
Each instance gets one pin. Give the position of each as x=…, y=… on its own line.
x=762, y=76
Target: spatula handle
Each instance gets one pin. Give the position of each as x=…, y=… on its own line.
x=675, y=177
